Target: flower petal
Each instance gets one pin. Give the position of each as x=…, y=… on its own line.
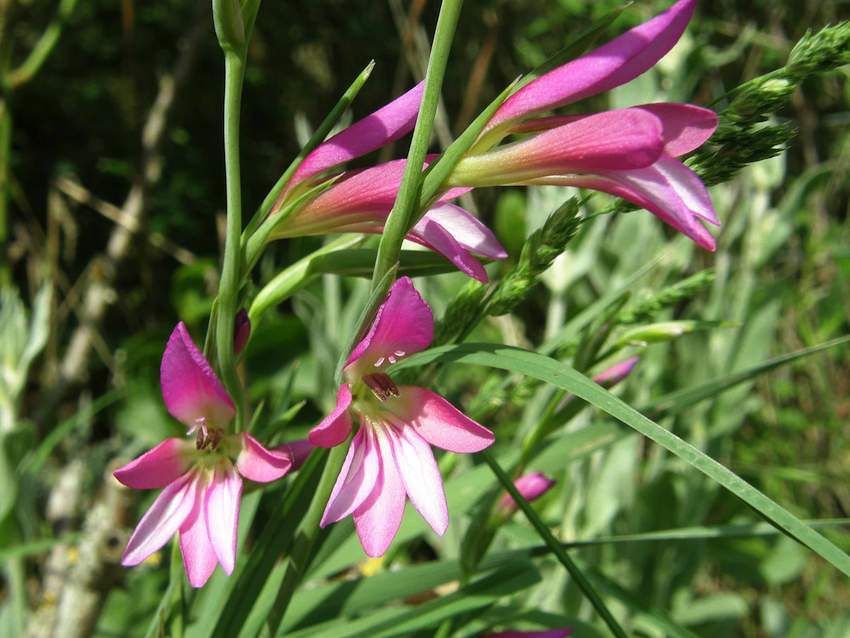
x=297, y=450
x=157, y=467
x=611, y=65
x=162, y=520
x=421, y=477
x=531, y=486
x=357, y=479
x=611, y=140
x=377, y=520
x=403, y=325
x=190, y=388
x=259, y=464
x=466, y=229
x=438, y=421
x=652, y=189
x=385, y=125
x=686, y=126
x=335, y=427
x=431, y=234
x=199, y=559
x=221, y=510
x=612, y=375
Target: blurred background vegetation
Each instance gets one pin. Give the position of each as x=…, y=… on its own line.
x=115, y=198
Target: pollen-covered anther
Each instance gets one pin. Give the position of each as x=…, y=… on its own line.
x=381, y=385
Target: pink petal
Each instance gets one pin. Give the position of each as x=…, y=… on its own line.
x=335, y=427
x=162, y=520
x=686, y=126
x=421, y=476
x=259, y=464
x=438, y=421
x=431, y=234
x=298, y=451
x=357, y=479
x=377, y=520
x=531, y=486
x=403, y=325
x=611, y=65
x=466, y=229
x=221, y=510
x=611, y=140
x=385, y=125
x=651, y=189
x=199, y=558
x=613, y=375
x=191, y=390
x=157, y=467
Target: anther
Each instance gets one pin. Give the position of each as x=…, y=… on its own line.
x=381, y=385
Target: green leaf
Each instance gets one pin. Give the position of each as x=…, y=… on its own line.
x=560, y=375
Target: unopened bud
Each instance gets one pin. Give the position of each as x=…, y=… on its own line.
x=530, y=486
x=241, y=331
x=610, y=377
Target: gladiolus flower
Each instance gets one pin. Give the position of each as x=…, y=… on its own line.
x=360, y=201
x=390, y=457
x=531, y=486
x=202, y=479
x=630, y=153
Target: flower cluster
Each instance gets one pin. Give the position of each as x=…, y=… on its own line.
x=633, y=153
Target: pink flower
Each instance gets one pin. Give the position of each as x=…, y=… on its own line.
x=612, y=375
x=531, y=486
x=202, y=479
x=551, y=633
x=360, y=201
x=630, y=153
x=390, y=458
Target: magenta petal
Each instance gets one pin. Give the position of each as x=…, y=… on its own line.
x=385, y=125
x=259, y=464
x=157, y=467
x=357, y=479
x=431, y=234
x=377, y=520
x=611, y=65
x=297, y=450
x=421, y=477
x=199, y=559
x=611, y=140
x=403, y=325
x=335, y=427
x=161, y=521
x=222, y=515
x=612, y=375
x=466, y=229
x=191, y=390
x=686, y=126
x=439, y=422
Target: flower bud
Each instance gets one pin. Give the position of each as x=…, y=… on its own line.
x=610, y=377
x=241, y=331
x=530, y=486
x=229, y=27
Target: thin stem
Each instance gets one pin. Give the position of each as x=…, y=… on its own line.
x=555, y=546
x=234, y=72
x=303, y=550
x=44, y=47
x=399, y=220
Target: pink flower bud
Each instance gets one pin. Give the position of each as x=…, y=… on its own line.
x=610, y=377
x=241, y=331
x=531, y=486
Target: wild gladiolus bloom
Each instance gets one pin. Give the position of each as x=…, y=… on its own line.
x=390, y=457
x=202, y=478
x=629, y=152
x=361, y=200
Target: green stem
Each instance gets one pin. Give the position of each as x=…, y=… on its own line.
x=303, y=549
x=401, y=218
x=44, y=47
x=228, y=294
x=555, y=546
x=5, y=159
